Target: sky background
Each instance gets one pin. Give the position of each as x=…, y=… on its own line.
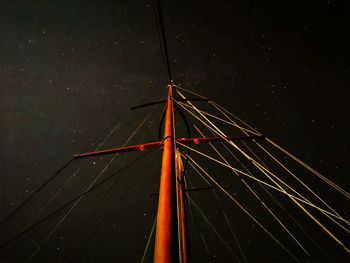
x=71, y=68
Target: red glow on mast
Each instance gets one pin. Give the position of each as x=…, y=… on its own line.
x=164, y=244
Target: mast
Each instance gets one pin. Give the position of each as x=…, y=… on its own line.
x=164, y=243
x=169, y=203
x=181, y=208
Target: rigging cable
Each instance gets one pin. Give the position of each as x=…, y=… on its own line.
x=53, y=195
x=149, y=240
x=220, y=119
x=295, y=200
x=259, y=199
x=325, y=179
x=302, y=183
x=288, y=171
x=206, y=219
x=44, y=219
x=196, y=226
x=281, y=190
x=276, y=201
x=107, y=214
x=177, y=108
x=191, y=92
x=34, y=193
x=242, y=208
x=265, y=171
x=222, y=111
x=107, y=191
x=90, y=185
x=162, y=38
x=225, y=216
x=268, y=173
x=306, y=166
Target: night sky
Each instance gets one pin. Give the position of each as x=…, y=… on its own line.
x=69, y=69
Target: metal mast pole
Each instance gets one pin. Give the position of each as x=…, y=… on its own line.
x=180, y=189
x=164, y=244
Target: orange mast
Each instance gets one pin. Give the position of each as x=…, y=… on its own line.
x=171, y=220
x=180, y=188
x=164, y=244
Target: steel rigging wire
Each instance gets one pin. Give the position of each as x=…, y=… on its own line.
x=157, y=8
x=58, y=210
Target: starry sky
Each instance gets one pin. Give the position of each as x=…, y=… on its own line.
x=71, y=68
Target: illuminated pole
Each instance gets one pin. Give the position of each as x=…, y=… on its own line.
x=181, y=208
x=170, y=238
x=164, y=244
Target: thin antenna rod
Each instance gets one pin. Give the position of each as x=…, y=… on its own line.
x=161, y=34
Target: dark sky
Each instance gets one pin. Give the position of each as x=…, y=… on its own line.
x=71, y=68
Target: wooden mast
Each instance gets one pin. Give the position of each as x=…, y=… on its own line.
x=171, y=228
x=164, y=243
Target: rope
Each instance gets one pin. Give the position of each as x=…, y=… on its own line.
x=234, y=116
x=189, y=91
x=157, y=9
x=90, y=185
x=34, y=193
x=276, y=201
x=301, y=182
x=196, y=226
x=339, y=189
x=105, y=216
x=295, y=177
x=243, y=209
x=264, y=170
x=214, y=229
x=220, y=119
x=222, y=111
x=225, y=216
x=53, y=195
x=109, y=188
x=149, y=240
x=285, y=168
x=281, y=190
x=258, y=198
x=44, y=219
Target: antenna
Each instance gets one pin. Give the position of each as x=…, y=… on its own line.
x=157, y=8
